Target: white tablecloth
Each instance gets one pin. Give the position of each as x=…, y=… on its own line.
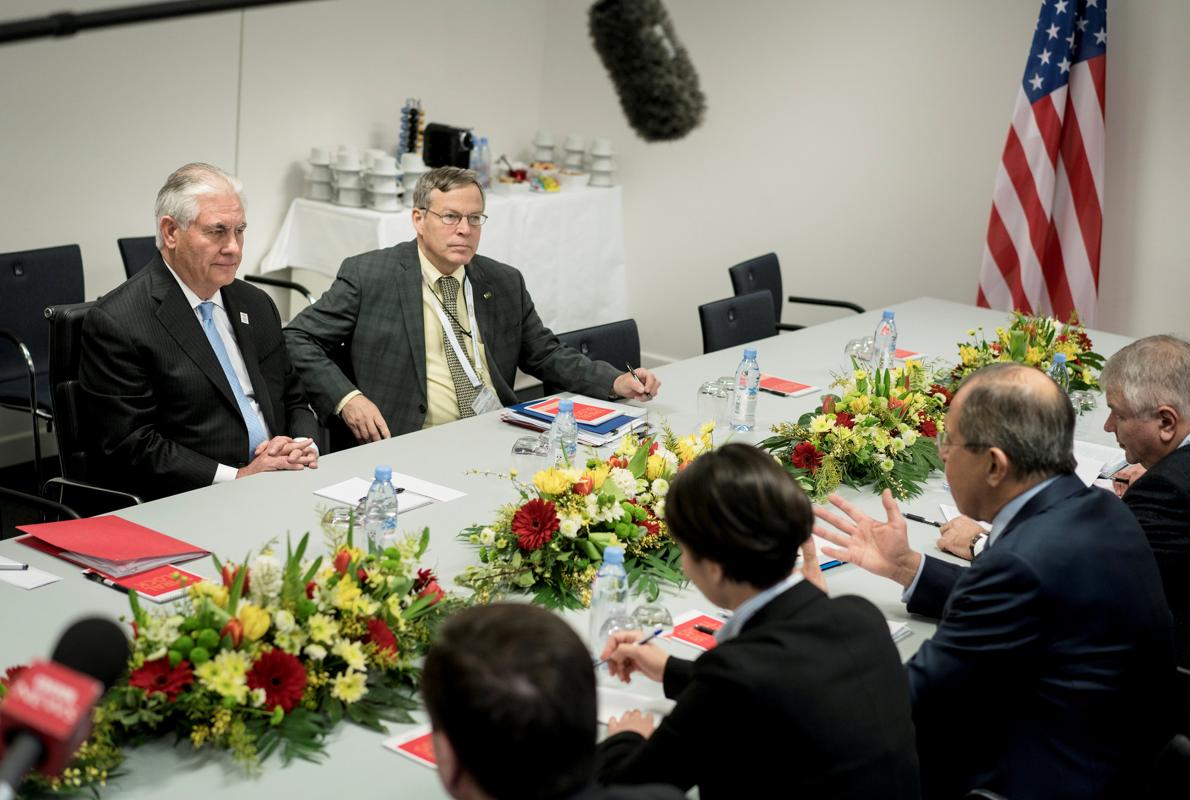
x=568, y=245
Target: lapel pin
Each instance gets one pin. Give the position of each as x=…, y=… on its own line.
x=487, y=295
x=243, y=318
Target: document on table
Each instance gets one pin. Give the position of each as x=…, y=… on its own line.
x=30, y=578
x=613, y=702
x=1090, y=459
x=417, y=492
x=898, y=630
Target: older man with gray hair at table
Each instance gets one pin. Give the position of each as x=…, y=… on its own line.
x=1050, y=672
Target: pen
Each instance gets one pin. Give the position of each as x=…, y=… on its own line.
x=656, y=632
x=920, y=518
x=636, y=377
x=773, y=391
x=1121, y=481
x=108, y=582
x=709, y=631
x=13, y=567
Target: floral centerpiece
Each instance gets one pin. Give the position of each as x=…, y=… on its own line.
x=271, y=658
x=879, y=430
x=1030, y=340
x=550, y=541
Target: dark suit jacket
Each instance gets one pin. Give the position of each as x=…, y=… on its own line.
x=1053, y=656
x=653, y=791
x=808, y=701
x=374, y=307
x=1160, y=499
x=162, y=414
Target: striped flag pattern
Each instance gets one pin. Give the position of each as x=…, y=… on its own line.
x=1043, y=242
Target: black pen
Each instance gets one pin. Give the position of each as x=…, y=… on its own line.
x=773, y=391
x=1122, y=481
x=920, y=518
x=108, y=582
x=15, y=567
x=709, y=631
x=636, y=378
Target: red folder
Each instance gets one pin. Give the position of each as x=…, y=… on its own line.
x=109, y=544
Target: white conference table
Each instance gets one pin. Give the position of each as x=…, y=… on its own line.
x=566, y=244
x=232, y=518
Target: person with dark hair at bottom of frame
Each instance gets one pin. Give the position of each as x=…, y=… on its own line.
x=1051, y=672
x=804, y=695
x=511, y=697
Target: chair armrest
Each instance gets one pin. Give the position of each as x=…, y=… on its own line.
x=42, y=503
x=281, y=283
x=818, y=301
x=63, y=483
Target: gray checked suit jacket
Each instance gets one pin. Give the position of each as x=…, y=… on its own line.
x=366, y=333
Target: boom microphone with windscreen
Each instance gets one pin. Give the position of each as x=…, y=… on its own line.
x=651, y=70
x=46, y=713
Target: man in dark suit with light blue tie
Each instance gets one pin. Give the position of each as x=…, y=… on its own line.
x=184, y=369
x=1051, y=671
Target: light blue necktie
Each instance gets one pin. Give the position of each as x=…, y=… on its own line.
x=256, y=431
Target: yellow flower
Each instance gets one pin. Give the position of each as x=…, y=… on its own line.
x=860, y=404
x=553, y=480
x=345, y=594
x=968, y=354
x=822, y=423
x=860, y=375
x=598, y=476
x=686, y=451
x=349, y=687
x=226, y=675
x=1033, y=356
x=217, y=593
x=706, y=429
x=654, y=467
x=322, y=628
x=254, y=619
x=351, y=653
x=628, y=447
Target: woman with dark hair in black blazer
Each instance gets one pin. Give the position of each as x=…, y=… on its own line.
x=803, y=696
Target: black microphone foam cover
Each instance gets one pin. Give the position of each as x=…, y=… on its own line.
x=652, y=73
x=94, y=646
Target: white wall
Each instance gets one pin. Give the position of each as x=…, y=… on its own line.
x=859, y=140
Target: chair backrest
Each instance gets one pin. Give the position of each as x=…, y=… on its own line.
x=760, y=274
x=136, y=251
x=29, y=281
x=617, y=343
x=736, y=320
x=66, y=333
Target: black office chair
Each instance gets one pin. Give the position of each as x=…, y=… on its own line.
x=66, y=331
x=29, y=281
x=1169, y=775
x=48, y=510
x=617, y=343
x=138, y=251
x=736, y=320
x=763, y=273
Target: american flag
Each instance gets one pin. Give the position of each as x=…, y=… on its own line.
x=1042, y=253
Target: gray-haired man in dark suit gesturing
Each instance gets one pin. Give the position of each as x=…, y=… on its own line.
x=183, y=367
x=433, y=332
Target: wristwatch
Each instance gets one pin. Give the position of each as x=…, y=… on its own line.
x=975, y=540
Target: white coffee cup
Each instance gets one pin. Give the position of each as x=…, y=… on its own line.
x=411, y=162
x=601, y=147
x=350, y=197
x=347, y=162
x=320, y=156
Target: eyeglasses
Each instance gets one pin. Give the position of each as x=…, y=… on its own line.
x=944, y=444
x=452, y=219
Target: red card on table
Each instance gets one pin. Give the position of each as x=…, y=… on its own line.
x=904, y=354
x=783, y=386
x=685, y=632
x=418, y=745
x=159, y=585
x=583, y=412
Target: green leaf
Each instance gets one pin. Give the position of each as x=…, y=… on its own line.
x=423, y=542
x=525, y=579
x=640, y=458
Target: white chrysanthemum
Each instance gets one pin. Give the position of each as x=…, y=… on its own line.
x=671, y=459
x=283, y=621
x=822, y=423
x=897, y=446
x=910, y=438
x=659, y=508
x=258, y=697
x=887, y=464
x=351, y=653
x=266, y=574
x=487, y=537
x=660, y=488
x=569, y=526
x=624, y=480
x=315, y=652
x=291, y=641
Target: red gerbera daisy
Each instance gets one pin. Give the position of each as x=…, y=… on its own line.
x=427, y=585
x=158, y=676
x=281, y=676
x=535, y=523
x=845, y=419
x=382, y=636
x=806, y=456
x=928, y=428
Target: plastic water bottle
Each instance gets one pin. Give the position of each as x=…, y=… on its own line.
x=747, y=385
x=481, y=162
x=609, y=598
x=884, y=342
x=1060, y=372
x=380, y=511
x=564, y=435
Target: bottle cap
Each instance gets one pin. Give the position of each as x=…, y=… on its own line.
x=1059, y=358
x=566, y=404
x=749, y=352
x=383, y=472
x=613, y=555
x=887, y=314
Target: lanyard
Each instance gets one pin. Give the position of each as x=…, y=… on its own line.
x=448, y=329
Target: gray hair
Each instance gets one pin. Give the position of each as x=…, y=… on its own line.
x=178, y=198
x=1032, y=422
x=1151, y=372
x=444, y=179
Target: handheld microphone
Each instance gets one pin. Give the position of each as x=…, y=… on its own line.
x=46, y=713
x=652, y=73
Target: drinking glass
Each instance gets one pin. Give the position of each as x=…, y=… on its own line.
x=531, y=454
x=860, y=349
x=651, y=616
